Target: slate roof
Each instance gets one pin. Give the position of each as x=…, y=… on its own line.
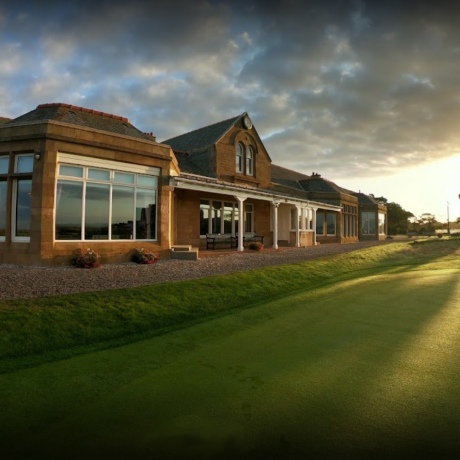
x=299, y=181
x=201, y=138
x=81, y=116
x=193, y=164
x=365, y=199
x=287, y=177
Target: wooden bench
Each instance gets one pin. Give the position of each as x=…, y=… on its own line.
x=213, y=239
x=252, y=237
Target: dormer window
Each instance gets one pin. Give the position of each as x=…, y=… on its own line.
x=240, y=158
x=244, y=159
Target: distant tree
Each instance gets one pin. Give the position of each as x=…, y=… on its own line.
x=426, y=223
x=397, y=217
x=458, y=220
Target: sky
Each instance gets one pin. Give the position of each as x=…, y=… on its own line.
x=367, y=94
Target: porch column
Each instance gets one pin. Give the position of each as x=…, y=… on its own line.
x=314, y=225
x=297, y=227
x=275, y=224
x=241, y=201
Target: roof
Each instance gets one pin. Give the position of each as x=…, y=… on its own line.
x=365, y=199
x=80, y=116
x=194, y=164
x=287, y=177
x=201, y=138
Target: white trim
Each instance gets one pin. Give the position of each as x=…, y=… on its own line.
x=210, y=186
x=102, y=163
x=112, y=166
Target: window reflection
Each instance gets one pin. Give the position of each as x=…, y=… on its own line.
x=145, y=215
x=23, y=206
x=69, y=203
x=122, y=213
x=97, y=212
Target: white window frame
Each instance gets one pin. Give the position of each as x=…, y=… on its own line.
x=14, y=238
x=250, y=160
x=88, y=163
x=239, y=160
x=209, y=202
x=245, y=159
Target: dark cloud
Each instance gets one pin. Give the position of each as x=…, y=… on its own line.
x=332, y=86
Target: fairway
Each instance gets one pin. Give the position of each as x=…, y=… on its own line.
x=366, y=367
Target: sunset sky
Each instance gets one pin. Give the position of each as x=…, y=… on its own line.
x=365, y=93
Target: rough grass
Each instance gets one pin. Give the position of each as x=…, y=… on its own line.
x=54, y=327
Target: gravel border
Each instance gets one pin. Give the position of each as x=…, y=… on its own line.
x=22, y=282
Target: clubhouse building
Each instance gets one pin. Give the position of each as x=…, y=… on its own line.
x=74, y=178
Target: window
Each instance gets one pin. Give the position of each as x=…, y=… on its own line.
x=105, y=200
x=245, y=157
x=320, y=223
x=223, y=217
x=239, y=158
x=4, y=163
x=22, y=197
x=330, y=223
x=302, y=213
x=381, y=224
x=250, y=161
x=368, y=223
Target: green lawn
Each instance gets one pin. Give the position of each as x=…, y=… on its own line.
x=362, y=365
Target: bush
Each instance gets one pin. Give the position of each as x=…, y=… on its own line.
x=88, y=259
x=256, y=246
x=142, y=256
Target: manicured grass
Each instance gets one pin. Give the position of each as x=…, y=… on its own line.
x=359, y=360
x=33, y=331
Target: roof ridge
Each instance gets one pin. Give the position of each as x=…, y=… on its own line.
x=82, y=109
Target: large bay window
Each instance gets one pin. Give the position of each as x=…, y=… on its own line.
x=104, y=200
x=222, y=217
x=368, y=223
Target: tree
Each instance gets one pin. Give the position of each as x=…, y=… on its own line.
x=397, y=217
x=426, y=223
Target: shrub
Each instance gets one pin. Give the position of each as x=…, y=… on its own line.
x=142, y=256
x=256, y=246
x=88, y=259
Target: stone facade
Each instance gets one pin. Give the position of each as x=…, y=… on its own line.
x=193, y=170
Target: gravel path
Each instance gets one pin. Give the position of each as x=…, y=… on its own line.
x=29, y=282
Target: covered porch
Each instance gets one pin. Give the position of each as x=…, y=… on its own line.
x=205, y=207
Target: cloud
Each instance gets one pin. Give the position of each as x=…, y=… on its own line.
x=344, y=87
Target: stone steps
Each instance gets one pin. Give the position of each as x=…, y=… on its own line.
x=184, y=252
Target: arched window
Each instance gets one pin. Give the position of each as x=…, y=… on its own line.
x=240, y=158
x=244, y=159
x=250, y=161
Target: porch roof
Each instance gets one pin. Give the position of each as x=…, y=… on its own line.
x=211, y=185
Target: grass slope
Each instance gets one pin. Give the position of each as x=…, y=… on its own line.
x=362, y=365
x=34, y=331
